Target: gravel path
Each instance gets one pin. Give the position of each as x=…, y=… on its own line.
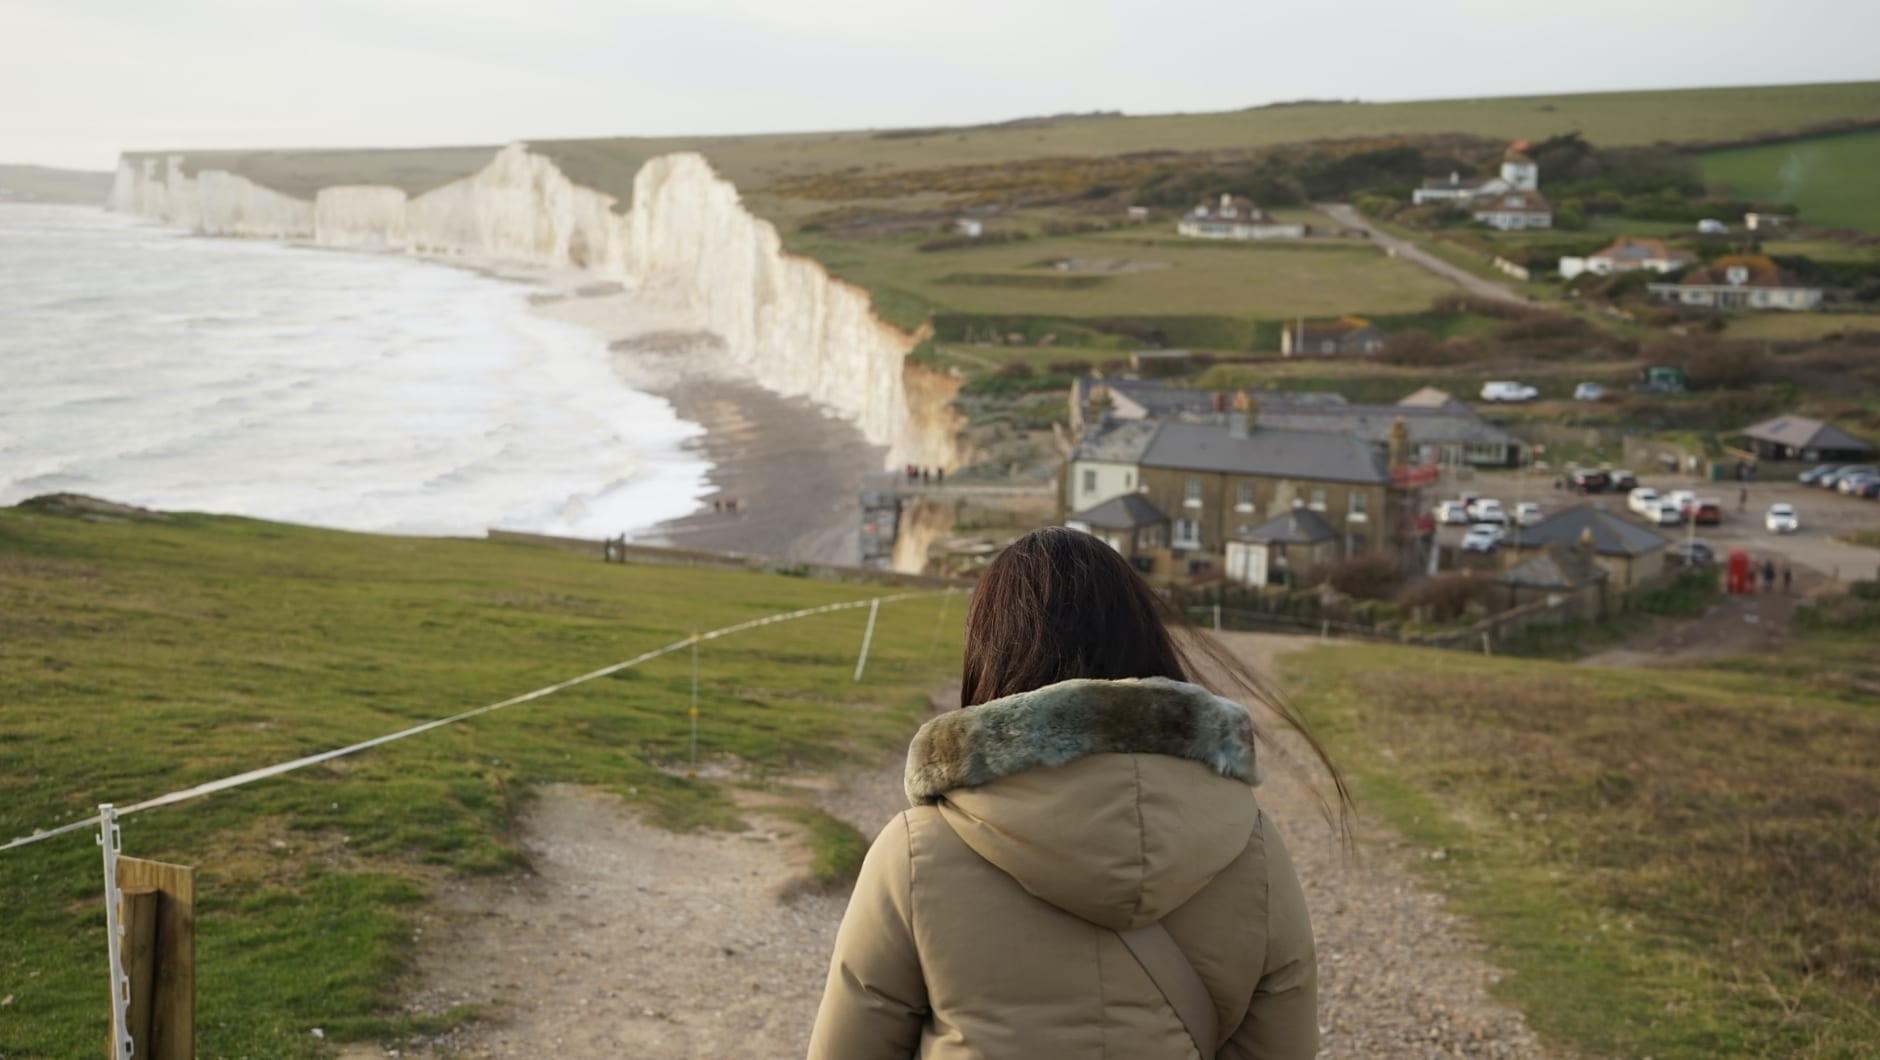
x=632, y=941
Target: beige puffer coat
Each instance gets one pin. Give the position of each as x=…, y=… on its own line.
x=984, y=921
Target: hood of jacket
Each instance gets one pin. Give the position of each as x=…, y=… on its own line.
x=1115, y=801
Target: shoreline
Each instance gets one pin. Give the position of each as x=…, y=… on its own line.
x=785, y=473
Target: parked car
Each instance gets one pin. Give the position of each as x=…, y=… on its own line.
x=1782, y=519
x=1642, y=499
x=1588, y=392
x=1849, y=481
x=1707, y=512
x=1664, y=513
x=1483, y=537
x=1814, y=475
x=1488, y=510
x=1622, y=481
x=1528, y=513
x=1589, y=480
x=1694, y=553
x=1506, y=390
x=1452, y=513
x=1832, y=479
x=1684, y=500
x=1869, y=489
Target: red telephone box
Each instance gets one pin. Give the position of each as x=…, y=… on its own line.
x=1741, y=576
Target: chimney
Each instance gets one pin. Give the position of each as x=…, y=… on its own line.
x=1586, y=545
x=1398, y=447
x=1242, y=425
x=1242, y=402
x=1220, y=401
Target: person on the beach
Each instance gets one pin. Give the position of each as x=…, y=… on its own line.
x=1769, y=575
x=1085, y=870
x=1788, y=577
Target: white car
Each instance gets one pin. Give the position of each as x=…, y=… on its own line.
x=1482, y=537
x=1528, y=513
x=1488, y=510
x=1665, y=513
x=1506, y=390
x=1642, y=500
x=1452, y=513
x=1588, y=392
x=1782, y=519
x=1684, y=500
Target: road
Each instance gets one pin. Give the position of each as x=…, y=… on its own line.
x=1410, y=252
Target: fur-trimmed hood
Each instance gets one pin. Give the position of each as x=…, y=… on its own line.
x=1113, y=800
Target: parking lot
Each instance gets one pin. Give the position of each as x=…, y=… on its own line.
x=1824, y=515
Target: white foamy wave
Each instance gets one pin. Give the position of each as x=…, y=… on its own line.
x=351, y=391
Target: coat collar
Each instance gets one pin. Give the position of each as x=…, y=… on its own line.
x=1061, y=723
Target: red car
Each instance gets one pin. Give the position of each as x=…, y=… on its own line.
x=1708, y=513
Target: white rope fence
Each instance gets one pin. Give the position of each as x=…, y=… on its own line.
x=265, y=772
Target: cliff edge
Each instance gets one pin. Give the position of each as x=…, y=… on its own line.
x=790, y=326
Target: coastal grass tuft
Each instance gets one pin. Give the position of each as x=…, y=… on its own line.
x=142, y=657
x=1672, y=863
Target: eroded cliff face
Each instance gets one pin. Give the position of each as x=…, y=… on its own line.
x=789, y=326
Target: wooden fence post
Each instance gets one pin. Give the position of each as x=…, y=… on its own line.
x=159, y=910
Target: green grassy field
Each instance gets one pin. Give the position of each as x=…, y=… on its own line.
x=1672, y=863
x=1831, y=179
x=1800, y=325
x=1162, y=277
x=139, y=658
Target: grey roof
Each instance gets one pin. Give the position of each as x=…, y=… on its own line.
x=1155, y=399
x=1272, y=452
x=1612, y=536
x=1554, y=567
x=1297, y=526
x=1116, y=441
x=1442, y=425
x=1800, y=432
x=1122, y=513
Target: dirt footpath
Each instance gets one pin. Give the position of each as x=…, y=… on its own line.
x=629, y=941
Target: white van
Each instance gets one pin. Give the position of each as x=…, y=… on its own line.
x=1506, y=390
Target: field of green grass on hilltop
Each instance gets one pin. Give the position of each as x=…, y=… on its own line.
x=1671, y=863
x=1108, y=277
x=141, y=657
x=1831, y=179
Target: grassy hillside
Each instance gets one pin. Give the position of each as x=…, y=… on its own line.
x=1831, y=179
x=141, y=657
x=754, y=162
x=1673, y=863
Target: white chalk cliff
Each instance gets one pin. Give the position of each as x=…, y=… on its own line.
x=789, y=325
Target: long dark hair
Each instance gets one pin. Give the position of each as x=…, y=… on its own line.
x=1059, y=604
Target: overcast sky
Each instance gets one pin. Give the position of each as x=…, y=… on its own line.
x=81, y=80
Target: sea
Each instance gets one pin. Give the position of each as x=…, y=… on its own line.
x=358, y=391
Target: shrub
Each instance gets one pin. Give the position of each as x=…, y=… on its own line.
x=1366, y=576
x=1446, y=597
x=1069, y=367
x=1015, y=370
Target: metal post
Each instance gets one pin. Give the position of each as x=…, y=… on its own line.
x=1217, y=618
x=868, y=636
x=122, y=1045
x=694, y=712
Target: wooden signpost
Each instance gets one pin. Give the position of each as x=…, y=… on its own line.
x=157, y=909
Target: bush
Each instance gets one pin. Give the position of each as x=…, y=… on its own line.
x=1446, y=597
x=1015, y=370
x=1069, y=367
x=1366, y=576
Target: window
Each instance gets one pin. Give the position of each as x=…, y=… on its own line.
x=1318, y=500
x=1150, y=537
x=1191, y=493
x=1299, y=497
x=1090, y=480
x=1187, y=533
x=1243, y=497
x=1358, y=544
x=1129, y=480
x=1356, y=509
